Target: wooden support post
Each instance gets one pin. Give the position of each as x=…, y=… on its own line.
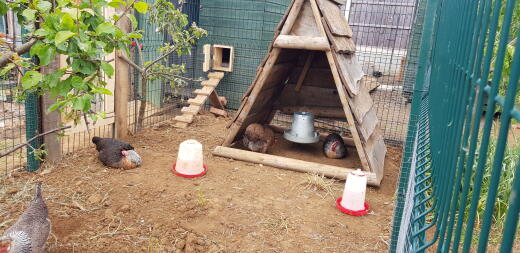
x=50, y=120
x=290, y=164
x=305, y=69
x=122, y=88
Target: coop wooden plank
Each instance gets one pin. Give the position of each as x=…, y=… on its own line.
x=192, y=109
x=319, y=111
x=341, y=45
x=205, y=91
x=198, y=100
x=305, y=25
x=316, y=77
x=340, y=2
x=370, y=83
x=216, y=75
x=302, y=42
x=305, y=69
x=207, y=58
x=376, y=152
x=361, y=103
x=310, y=96
x=290, y=164
x=186, y=118
x=212, y=82
x=350, y=72
x=218, y=112
x=215, y=100
x=286, y=24
x=369, y=124
x=335, y=19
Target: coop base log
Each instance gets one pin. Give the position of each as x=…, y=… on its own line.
x=290, y=164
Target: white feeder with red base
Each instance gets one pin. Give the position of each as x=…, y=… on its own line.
x=353, y=200
x=190, y=162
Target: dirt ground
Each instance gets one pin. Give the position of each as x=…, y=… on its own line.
x=235, y=207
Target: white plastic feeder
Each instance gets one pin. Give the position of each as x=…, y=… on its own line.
x=190, y=160
x=353, y=200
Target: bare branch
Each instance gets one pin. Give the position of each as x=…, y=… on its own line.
x=27, y=143
x=130, y=62
x=24, y=48
x=176, y=76
x=127, y=9
x=165, y=55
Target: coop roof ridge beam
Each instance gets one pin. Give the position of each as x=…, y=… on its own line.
x=302, y=42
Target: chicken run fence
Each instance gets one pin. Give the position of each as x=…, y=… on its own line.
x=428, y=61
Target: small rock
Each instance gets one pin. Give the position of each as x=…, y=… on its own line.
x=79, y=183
x=124, y=208
x=95, y=198
x=200, y=241
x=178, y=251
x=180, y=244
x=11, y=191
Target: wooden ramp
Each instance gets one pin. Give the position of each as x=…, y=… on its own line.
x=195, y=104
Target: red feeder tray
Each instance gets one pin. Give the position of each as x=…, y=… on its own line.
x=190, y=176
x=350, y=212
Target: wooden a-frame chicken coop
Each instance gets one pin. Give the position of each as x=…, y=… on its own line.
x=311, y=64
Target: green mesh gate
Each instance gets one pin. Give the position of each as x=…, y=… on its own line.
x=460, y=181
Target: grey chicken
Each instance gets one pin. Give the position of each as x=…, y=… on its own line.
x=258, y=138
x=116, y=154
x=31, y=230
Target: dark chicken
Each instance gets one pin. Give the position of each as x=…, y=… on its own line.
x=116, y=154
x=334, y=147
x=258, y=138
x=31, y=230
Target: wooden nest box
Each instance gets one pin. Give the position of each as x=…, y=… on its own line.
x=311, y=66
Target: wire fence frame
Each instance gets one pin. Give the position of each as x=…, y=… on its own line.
x=445, y=186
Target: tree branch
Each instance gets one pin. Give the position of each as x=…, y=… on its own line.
x=24, y=48
x=128, y=7
x=130, y=62
x=27, y=143
x=165, y=55
x=176, y=76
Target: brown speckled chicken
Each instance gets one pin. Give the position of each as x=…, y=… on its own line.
x=31, y=230
x=258, y=138
x=116, y=154
x=334, y=147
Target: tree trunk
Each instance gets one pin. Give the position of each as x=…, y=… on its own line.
x=142, y=107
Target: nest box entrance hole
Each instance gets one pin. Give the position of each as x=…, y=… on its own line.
x=223, y=58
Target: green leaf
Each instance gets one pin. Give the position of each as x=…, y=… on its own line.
x=106, y=28
x=46, y=54
x=54, y=78
x=41, y=32
x=83, y=103
x=104, y=91
x=84, y=67
x=107, y=68
x=44, y=6
x=78, y=84
x=73, y=12
x=56, y=106
x=63, y=36
x=31, y=79
x=133, y=20
x=3, y=8
x=29, y=14
x=67, y=21
x=7, y=68
x=141, y=7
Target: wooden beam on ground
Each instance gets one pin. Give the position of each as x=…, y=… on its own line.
x=305, y=69
x=302, y=42
x=290, y=164
x=218, y=112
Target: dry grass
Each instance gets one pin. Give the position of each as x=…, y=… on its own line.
x=282, y=223
x=323, y=186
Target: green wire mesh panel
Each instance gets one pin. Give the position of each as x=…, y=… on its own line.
x=248, y=26
x=460, y=180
